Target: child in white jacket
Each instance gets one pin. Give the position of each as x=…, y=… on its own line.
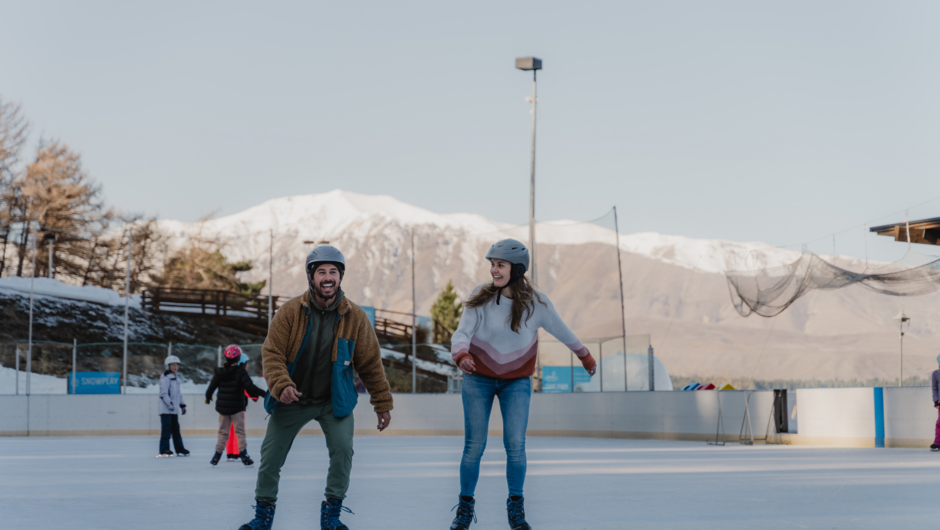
x=171, y=405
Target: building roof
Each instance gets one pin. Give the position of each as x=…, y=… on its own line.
x=923, y=231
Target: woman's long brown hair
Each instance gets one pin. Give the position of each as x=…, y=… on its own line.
x=523, y=300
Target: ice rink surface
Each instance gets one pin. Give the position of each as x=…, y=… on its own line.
x=411, y=483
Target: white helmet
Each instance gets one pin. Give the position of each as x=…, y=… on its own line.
x=171, y=359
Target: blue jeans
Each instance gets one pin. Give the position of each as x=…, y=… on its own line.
x=478, y=394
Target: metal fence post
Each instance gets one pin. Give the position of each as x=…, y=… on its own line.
x=652, y=370
x=218, y=359
x=74, y=363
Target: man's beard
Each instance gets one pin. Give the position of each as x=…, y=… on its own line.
x=319, y=293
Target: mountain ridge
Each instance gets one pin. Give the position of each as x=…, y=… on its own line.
x=674, y=286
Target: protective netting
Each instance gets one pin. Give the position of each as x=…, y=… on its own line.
x=770, y=291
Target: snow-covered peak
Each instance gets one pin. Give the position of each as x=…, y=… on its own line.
x=338, y=213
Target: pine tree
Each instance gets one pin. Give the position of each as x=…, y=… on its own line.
x=446, y=313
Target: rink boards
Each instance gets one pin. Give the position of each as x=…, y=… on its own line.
x=843, y=417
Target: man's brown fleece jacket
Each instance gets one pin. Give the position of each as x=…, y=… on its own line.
x=287, y=334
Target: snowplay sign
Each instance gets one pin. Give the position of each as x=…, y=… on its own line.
x=95, y=383
x=559, y=378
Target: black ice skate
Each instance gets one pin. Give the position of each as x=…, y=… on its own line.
x=182, y=452
x=215, y=458
x=465, y=514
x=329, y=515
x=516, y=512
x=934, y=447
x=264, y=518
x=166, y=454
x=246, y=459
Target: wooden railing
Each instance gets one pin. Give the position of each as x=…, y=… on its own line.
x=225, y=307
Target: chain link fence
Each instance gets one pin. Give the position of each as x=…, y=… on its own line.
x=53, y=362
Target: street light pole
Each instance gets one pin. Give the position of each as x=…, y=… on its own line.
x=534, y=64
x=127, y=301
x=901, y=318
x=50, y=237
x=29, y=347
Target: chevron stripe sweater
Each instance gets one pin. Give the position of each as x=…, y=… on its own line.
x=497, y=351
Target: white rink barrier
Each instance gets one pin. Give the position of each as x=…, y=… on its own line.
x=867, y=417
x=650, y=415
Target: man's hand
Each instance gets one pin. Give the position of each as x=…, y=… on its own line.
x=289, y=395
x=384, y=419
x=467, y=366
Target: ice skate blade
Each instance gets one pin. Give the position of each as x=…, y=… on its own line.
x=165, y=456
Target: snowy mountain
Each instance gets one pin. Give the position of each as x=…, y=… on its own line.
x=674, y=286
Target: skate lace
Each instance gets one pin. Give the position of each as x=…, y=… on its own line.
x=516, y=512
x=263, y=518
x=465, y=513
x=333, y=512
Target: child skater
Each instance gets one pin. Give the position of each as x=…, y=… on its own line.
x=170, y=406
x=233, y=382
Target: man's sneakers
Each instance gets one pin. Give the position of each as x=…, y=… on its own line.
x=264, y=518
x=215, y=458
x=245, y=458
x=465, y=514
x=516, y=512
x=330, y=511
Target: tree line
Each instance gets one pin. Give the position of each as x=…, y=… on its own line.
x=49, y=202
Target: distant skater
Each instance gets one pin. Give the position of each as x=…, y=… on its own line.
x=233, y=382
x=315, y=343
x=171, y=405
x=496, y=345
x=935, y=388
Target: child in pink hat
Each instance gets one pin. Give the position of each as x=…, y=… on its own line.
x=233, y=382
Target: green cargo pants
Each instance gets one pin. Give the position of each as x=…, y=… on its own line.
x=285, y=423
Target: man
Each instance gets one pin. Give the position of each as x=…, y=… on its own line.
x=315, y=342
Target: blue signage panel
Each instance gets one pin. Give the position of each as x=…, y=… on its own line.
x=370, y=312
x=95, y=383
x=558, y=378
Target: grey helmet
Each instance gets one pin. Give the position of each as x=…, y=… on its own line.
x=514, y=252
x=325, y=254
x=170, y=360
x=510, y=250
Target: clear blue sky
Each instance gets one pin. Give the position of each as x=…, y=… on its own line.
x=774, y=121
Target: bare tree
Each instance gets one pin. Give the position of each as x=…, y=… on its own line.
x=13, y=133
x=57, y=198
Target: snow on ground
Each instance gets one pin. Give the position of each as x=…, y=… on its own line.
x=412, y=482
x=48, y=384
x=57, y=289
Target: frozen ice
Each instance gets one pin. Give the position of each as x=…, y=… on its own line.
x=412, y=483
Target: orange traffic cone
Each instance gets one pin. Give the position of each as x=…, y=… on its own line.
x=231, y=448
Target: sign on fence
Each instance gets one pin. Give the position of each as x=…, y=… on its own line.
x=558, y=378
x=95, y=383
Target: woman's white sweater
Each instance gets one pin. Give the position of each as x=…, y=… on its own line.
x=497, y=351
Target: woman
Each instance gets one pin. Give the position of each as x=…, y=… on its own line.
x=170, y=406
x=496, y=345
x=233, y=382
